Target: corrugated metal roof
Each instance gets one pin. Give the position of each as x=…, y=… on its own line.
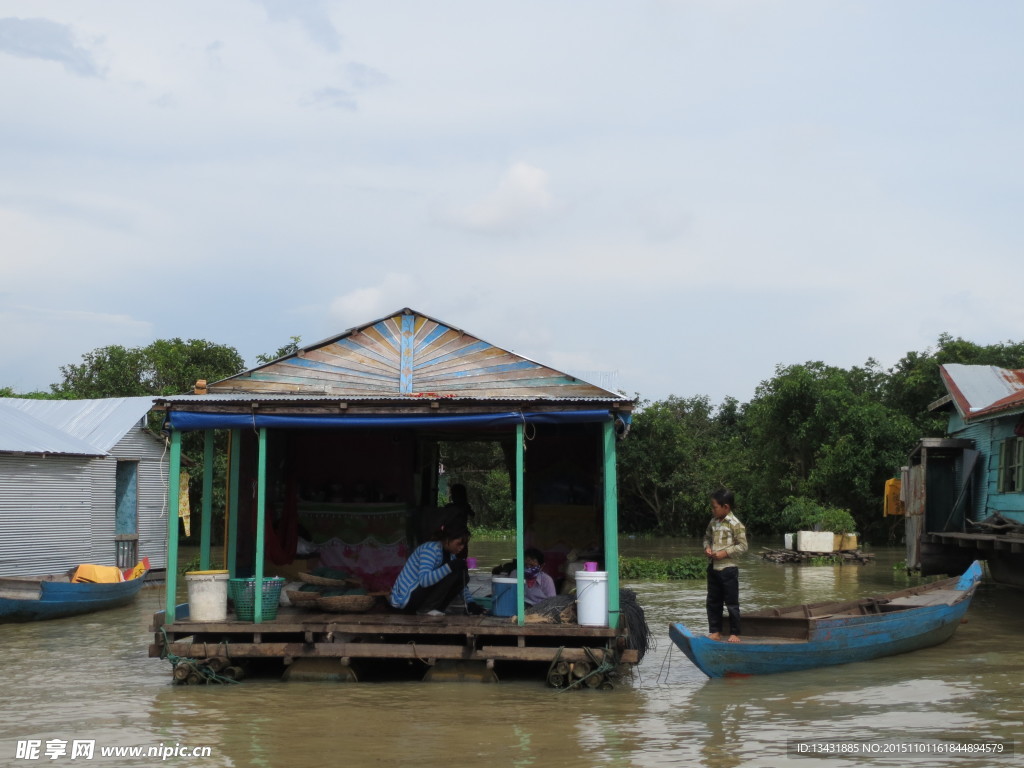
x=411, y=355
x=980, y=391
x=82, y=427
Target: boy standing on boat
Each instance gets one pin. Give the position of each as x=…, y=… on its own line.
x=725, y=537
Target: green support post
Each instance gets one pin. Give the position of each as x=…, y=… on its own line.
x=174, y=481
x=611, y=524
x=207, y=521
x=520, y=527
x=261, y=504
x=232, y=510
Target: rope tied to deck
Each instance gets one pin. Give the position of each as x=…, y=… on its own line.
x=187, y=671
x=416, y=653
x=601, y=670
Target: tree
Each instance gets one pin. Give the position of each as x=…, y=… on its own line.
x=482, y=467
x=823, y=433
x=174, y=366
x=670, y=463
x=165, y=367
x=9, y=392
x=914, y=382
x=113, y=371
x=288, y=349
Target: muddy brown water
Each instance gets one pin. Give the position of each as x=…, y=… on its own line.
x=89, y=679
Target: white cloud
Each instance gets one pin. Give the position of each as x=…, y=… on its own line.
x=364, y=76
x=45, y=339
x=312, y=15
x=688, y=193
x=331, y=98
x=521, y=199
x=49, y=41
x=362, y=305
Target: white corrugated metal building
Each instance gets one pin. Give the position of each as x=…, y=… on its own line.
x=81, y=481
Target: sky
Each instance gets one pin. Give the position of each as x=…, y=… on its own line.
x=672, y=198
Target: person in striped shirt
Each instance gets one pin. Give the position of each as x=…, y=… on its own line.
x=724, y=538
x=433, y=576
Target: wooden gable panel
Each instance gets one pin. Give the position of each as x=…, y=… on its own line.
x=410, y=354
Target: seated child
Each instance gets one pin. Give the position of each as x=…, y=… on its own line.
x=539, y=586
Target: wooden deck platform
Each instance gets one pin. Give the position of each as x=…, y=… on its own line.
x=1007, y=542
x=298, y=633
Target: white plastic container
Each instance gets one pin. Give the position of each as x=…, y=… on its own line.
x=207, y=595
x=815, y=541
x=592, y=598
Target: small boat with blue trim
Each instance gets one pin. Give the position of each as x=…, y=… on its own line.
x=824, y=634
x=83, y=589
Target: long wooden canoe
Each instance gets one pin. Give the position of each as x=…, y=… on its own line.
x=824, y=634
x=56, y=596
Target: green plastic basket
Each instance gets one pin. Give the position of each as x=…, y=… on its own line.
x=484, y=601
x=243, y=593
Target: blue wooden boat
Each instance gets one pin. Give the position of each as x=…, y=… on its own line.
x=56, y=596
x=824, y=634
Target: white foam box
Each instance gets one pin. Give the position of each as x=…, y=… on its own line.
x=815, y=541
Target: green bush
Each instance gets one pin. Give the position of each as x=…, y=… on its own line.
x=652, y=569
x=483, y=533
x=803, y=514
x=836, y=520
x=193, y=564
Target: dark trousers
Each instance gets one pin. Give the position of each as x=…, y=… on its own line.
x=724, y=590
x=436, y=597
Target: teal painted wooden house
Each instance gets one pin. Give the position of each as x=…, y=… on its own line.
x=965, y=492
x=340, y=441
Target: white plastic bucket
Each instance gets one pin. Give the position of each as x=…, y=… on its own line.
x=503, y=597
x=207, y=595
x=592, y=598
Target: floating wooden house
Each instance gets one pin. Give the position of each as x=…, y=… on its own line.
x=340, y=440
x=964, y=493
x=81, y=481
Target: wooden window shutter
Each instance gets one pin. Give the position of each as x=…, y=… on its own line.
x=1018, y=484
x=1001, y=472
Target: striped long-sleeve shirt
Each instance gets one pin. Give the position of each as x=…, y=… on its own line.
x=426, y=566
x=728, y=534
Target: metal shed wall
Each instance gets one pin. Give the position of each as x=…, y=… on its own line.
x=58, y=511
x=45, y=506
x=151, y=454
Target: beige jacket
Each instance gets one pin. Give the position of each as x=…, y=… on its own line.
x=728, y=534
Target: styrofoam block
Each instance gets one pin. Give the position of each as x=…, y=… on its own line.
x=815, y=541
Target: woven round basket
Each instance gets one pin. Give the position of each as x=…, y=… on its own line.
x=305, y=599
x=309, y=578
x=346, y=603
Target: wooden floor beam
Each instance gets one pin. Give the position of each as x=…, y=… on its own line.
x=405, y=651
